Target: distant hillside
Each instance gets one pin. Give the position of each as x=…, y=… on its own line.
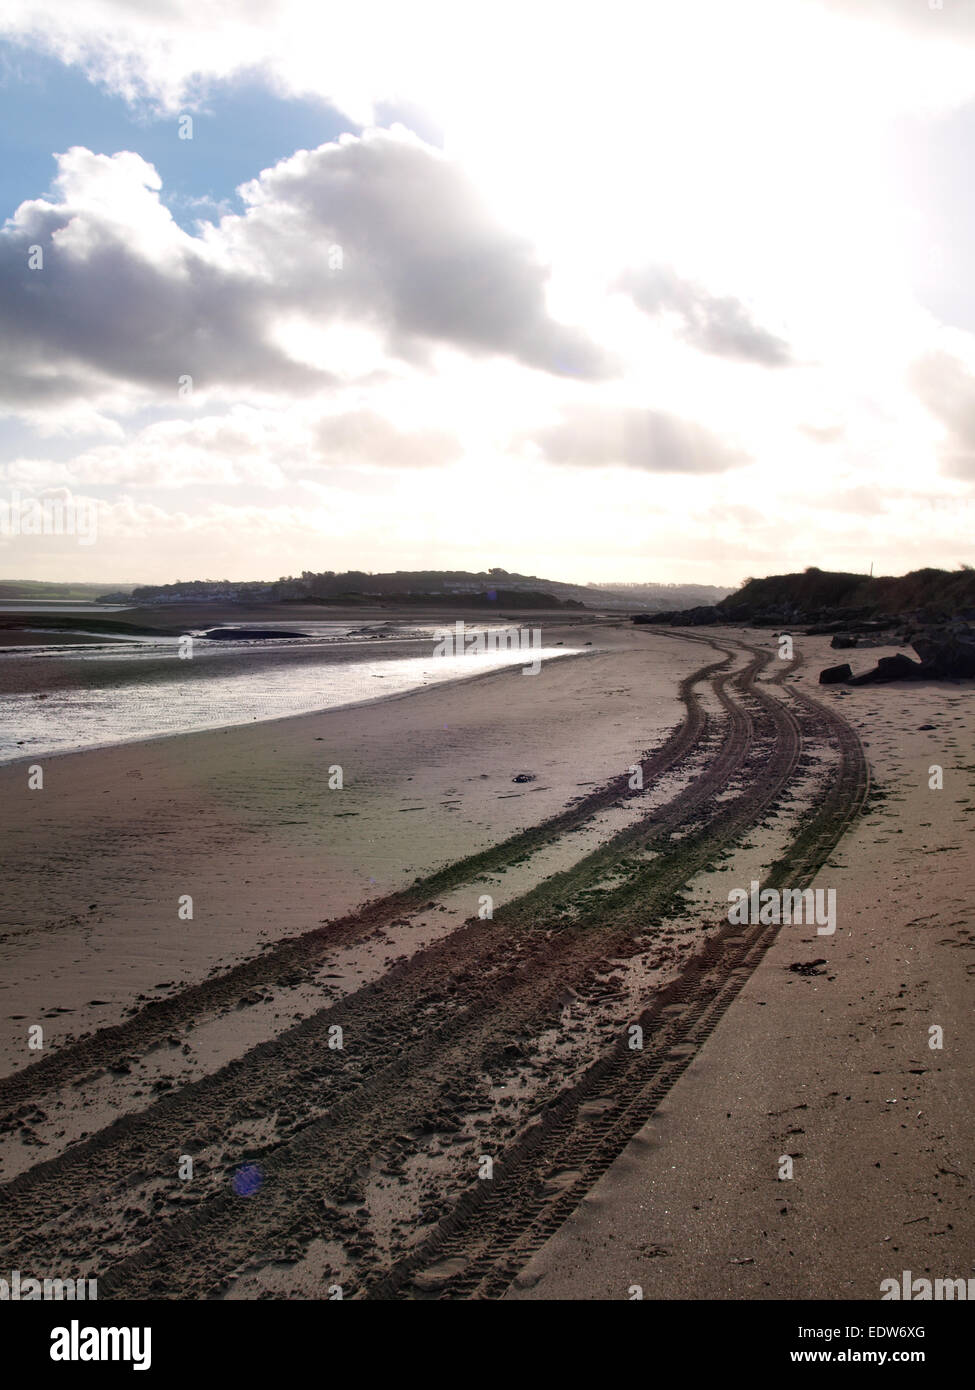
x=36, y=590
x=657, y=597
x=425, y=586
x=827, y=597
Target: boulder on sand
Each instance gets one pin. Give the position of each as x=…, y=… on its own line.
x=951, y=657
x=891, y=668
x=840, y=641
x=835, y=675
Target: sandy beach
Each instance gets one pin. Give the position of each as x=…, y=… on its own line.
x=826, y=1057
x=102, y=856
x=484, y=910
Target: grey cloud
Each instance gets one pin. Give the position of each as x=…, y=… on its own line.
x=424, y=258
x=947, y=389
x=717, y=324
x=92, y=321
x=650, y=440
x=422, y=262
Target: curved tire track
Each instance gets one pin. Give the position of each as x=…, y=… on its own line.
x=481, y=988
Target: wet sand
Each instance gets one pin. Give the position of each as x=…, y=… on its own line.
x=244, y=821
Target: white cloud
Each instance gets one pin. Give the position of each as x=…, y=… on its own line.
x=947, y=388
x=743, y=143
x=245, y=447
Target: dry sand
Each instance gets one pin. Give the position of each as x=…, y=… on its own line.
x=832, y=1068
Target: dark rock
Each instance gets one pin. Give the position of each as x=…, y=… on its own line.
x=809, y=967
x=946, y=657
x=835, y=675
x=891, y=668
x=899, y=667
x=841, y=642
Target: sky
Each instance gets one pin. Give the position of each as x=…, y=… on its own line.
x=655, y=291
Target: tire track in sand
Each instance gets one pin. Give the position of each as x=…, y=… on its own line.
x=151, y=1026
x=506, y=982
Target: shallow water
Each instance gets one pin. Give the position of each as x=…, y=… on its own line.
x=53, y=605
x=90, y=716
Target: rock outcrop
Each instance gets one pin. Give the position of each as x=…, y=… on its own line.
x=891, y=668
x=949, y=657
x=836, y=675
